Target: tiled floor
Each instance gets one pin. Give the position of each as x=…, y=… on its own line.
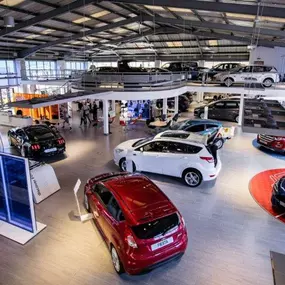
x=230, y=236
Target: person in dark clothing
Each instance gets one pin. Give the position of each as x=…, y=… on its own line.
x=80, y=105
x=101, y=105
x=95, y=113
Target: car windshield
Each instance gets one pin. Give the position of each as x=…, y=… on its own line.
x=38, y=132
x=182, y=125
x=142, y=141
x=158, y=227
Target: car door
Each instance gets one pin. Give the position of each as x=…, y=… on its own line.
x=231, y=110
x=147, y=157
x=216, y=110
x=245, y=76
x=257, y=73
x=98, y=204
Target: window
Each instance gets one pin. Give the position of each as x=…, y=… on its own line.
x=269, y=68
x=157, y=227
x=231, y=105
x=219, y=105
x=156, y=147
x=246, y=69
x=115, y=210
x=258, y=69
x=142, y=141
x=210, y=126
x=103, y=193
x=197, y=128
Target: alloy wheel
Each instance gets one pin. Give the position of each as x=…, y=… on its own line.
x=115, y=259
x=219, y=144
x=267, y=83
x=228, y=82
x=192, y=179
x=124, y=165
x=202, y=115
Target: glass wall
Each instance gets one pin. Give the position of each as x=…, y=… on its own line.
x=40, y=69
x=75, y=65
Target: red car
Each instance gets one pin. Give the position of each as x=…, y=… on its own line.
x=140, y=225
x=274, y=143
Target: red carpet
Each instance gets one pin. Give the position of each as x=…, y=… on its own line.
x=260, y=188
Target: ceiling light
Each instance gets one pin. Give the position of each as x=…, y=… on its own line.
x=47, y=31
x=11, y=2
x=32, y=36
x=9, y=21
x=213, y=42
x=251, y=47
x=156, y=8
x=206, y=48
x=174, y=44
x=100, y=14
x=182, y=10
x=240, y=16
x=271, y=19
x=20, y=40
x=81, y=20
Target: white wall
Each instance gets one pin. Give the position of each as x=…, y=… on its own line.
x=271, y=56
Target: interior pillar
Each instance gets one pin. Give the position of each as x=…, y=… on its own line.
x=106, y=117
x=114, y=106
x=200, y=97
x=176, y=108
x=157, y=63
x=164, y=108
x=241, y=107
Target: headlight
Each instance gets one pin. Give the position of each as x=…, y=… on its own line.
x=118, y=150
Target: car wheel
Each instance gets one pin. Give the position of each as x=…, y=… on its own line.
x=86, y=203
x=219, y=143
x=123, y=165
x=10, y=141
x=192, y=177
x=23, y=152
x=237, y=118
x=116, y=261
x=267, y=82
x=228, y=82
x=201, y=115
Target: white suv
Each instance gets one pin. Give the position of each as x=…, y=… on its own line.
x=265, y=75
x=171, y=153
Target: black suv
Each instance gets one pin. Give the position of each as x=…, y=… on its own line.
x=220, y=110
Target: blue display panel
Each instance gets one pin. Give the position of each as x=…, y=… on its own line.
x=16, y=186
x=3, y=206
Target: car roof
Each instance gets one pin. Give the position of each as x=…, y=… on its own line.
x=34, y=127
x=139, y=197
x=202, y=121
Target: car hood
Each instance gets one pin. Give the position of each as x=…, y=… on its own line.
x=127, y=144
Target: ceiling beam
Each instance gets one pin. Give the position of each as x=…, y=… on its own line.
x=216, y=26
x=28, y=52
x=211, y=6
x=46, y=16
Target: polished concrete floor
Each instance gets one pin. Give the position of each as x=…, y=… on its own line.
x=230, y=236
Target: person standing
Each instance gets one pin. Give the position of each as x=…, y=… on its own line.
x=95, y=113
x=86, y=110
x=65, y=118
x=82, y=117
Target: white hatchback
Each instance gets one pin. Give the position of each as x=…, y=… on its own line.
x=265, y=75
x=171, y=153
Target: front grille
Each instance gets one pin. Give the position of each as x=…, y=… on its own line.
x=266, y=138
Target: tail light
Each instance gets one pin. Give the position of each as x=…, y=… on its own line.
x=35, y=147
x=209, y=159
x=60, y=141
x=131, y=241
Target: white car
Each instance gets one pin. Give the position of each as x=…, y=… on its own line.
x=171, y=153
x=265, y=75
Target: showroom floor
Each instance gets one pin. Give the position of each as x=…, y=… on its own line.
x=230, y=236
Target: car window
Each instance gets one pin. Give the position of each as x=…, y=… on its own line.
x=246, y=69
x=155, y=147
x=20, y=133
x=209, y=126
x=103, y=193
x=258, y=68
x=156, y=227
x=219, y=105
x=142, y=141
x=231, y=105
x=115, y=210
x=197, y=128
x=269, y=68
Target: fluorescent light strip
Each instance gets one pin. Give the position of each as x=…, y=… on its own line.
x=81, y=20
x=100, y=14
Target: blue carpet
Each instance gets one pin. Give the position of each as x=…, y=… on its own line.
x=267, y=151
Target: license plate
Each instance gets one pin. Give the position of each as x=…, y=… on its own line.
x=50, y=150
x=263, y=142
x=282, y=204
x=161, y=244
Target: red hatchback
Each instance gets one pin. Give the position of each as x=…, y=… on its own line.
x=140, y=225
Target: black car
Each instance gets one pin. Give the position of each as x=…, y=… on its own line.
x=37, y=140
x=183, y=103
x=278, y=194
x=220, y=110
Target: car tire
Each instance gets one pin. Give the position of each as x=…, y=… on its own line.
x=228, y=82
x=192, y=177
x=118, y=266
x=267, y=82
x=236, y=118
x=86, y=203
x=123, y=165
x=10, y=141
x=219, y=143
x=201, y=115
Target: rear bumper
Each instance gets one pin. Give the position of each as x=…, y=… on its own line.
x=137, y=264
x=213, y=174
x=59, y=150
x=270, y=147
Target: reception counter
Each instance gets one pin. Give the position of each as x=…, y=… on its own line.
x=14, y=121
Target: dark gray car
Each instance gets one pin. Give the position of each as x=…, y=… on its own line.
x=220, y=110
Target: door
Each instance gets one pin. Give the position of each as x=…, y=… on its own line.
x=231, y=110
x=216, y=110
x=147, y=158
x=257, y=73
x=245, y=75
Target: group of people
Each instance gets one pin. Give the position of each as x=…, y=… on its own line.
x=86, y=108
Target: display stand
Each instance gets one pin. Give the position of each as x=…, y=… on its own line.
x=85, y=217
